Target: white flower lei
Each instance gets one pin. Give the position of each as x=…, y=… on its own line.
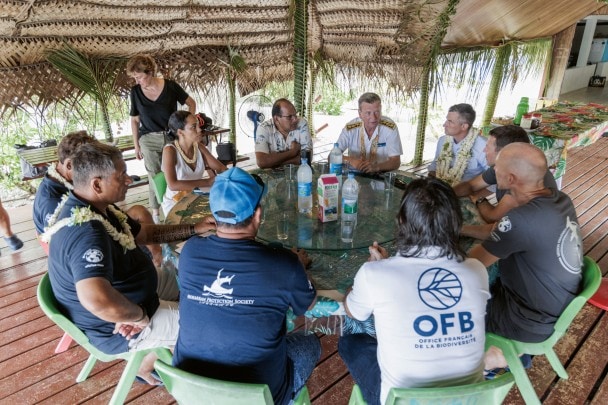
x=52, y=171
x=81, y=215
x=453, y=175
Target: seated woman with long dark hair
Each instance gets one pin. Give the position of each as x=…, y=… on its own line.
x=186, y=159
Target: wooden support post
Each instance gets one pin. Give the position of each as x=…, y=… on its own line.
x=562, y=43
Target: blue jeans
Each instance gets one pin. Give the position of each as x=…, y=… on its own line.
x=304, y=352
x=359, y=352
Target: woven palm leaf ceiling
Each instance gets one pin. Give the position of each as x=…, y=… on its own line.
x=190, y=39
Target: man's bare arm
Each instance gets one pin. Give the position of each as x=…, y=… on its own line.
x=481, y=254
x=466, y=188
x=101, y=299
x=481, y=232
x=151, y=233
x=270, y=160
x=491, y=213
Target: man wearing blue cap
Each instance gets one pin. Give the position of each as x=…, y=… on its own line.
x=235, y=293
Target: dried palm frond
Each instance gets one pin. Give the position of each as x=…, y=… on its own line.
x=300, y=53
x=235, y=66
x=94, y=76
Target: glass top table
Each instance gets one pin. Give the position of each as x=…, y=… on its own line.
x=335, y=263
x=375, y=219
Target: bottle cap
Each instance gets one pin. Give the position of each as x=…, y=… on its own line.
x=304, y=161
x=351, y=175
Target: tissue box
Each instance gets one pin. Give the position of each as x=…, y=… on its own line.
x=327, y=193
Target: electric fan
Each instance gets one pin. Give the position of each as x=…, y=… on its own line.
x=253, y=111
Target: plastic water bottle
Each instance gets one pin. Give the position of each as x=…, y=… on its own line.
x=304, y=188
x=350, y=199
x=305, y=228
x=335, y=162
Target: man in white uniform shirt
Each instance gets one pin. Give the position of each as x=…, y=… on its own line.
x=280, y=140
x=372, y=141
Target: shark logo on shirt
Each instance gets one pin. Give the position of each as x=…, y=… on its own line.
x=217, y=287
x=570, y=247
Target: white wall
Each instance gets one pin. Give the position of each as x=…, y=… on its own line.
x=602, y=69
x=576, y=78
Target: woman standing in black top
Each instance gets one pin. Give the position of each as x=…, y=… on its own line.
x=153, y=100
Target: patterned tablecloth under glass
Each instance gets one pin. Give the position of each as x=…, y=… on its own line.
x=567, y=125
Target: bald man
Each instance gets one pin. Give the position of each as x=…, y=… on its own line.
x=498, y=138
x=539, y=248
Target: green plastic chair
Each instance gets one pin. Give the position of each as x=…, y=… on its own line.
x=512, y=348
x=159, y=183
x=485, y=392
x=188, y=388
x=48, y=303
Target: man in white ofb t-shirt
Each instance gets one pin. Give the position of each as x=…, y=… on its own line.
x=428, y=302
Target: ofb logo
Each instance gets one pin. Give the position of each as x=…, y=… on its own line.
x=439, y=288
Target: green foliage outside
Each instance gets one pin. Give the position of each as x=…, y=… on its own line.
x=331, y=98
x=276, y=90
x=331, y=101
x=32, y=126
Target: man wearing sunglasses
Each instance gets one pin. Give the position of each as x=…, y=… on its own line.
x=281, y=139
x=235, y=293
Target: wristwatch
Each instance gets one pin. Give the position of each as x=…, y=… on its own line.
x=480, y=200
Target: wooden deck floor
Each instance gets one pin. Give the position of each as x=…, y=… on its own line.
x=31, y=373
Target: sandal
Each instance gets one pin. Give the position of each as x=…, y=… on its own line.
x=154, y=375
x=495, y=372
x=526, y=361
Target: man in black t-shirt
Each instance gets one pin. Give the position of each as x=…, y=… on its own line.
x=498, y=138
x=539, y=248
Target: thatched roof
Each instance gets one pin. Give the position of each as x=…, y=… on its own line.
x=190, y=38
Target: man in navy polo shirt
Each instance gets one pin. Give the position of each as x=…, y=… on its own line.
x=57, y=182
x=102, y=280
x=235, y=293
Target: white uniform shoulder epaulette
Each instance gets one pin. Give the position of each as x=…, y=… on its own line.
x=388, y=123
x=353, y=125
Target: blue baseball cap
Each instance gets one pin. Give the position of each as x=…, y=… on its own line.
x=235, y=195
